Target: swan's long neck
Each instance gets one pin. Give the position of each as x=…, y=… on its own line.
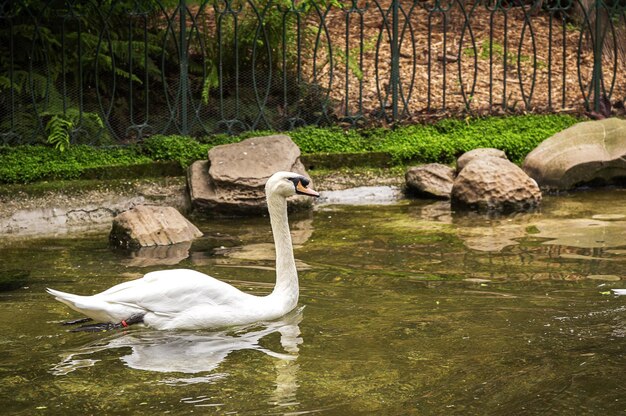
x=286, y=274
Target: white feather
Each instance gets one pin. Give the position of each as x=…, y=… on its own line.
x=187, y=299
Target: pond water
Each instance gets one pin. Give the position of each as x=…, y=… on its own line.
x=405, y=309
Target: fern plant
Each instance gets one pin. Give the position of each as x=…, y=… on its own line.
x=59, y=131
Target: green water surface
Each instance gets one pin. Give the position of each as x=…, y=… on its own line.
x=405, y=309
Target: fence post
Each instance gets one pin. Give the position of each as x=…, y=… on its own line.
x=184, y=67
x=395, y=59
x=598, y=42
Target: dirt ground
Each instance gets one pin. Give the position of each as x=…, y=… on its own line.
x=472, y=59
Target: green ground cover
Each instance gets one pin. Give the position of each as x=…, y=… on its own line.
x=441, y=142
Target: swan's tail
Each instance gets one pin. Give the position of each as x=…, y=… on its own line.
x=98, y=308
x=87, y=305
x=69, y=299
x=619, y=291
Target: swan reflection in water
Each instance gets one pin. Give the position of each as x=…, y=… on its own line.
x=193, y=352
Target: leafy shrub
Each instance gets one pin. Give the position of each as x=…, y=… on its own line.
x=24, y=164
x=183, y=149
x=441, y=142
x=328, y=140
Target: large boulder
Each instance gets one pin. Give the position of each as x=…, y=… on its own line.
x=494, y=184
x=144, y=226
x=588, y=152
x=433, y=180
x=232, y=180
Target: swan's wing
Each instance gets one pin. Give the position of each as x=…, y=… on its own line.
x=621, y=292
x=168, y=292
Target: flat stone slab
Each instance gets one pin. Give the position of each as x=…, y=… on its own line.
x=252, y=161
x=232, y=180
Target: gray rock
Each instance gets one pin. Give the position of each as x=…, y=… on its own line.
x=494, y=184
x=433, y=180
x=145, y=226
x=232, y=181
x=480, y=153
x=588, y=152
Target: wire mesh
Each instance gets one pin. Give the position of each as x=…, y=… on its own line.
x=114, y=71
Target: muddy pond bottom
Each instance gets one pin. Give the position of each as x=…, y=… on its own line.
x=405, y=309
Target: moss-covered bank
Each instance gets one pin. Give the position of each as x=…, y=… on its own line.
x=329, y=148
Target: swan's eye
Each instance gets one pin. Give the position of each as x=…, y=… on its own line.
x=295, y=181
x=299, y=179
x=300, y=184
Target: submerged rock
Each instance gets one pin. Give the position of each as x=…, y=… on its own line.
x=232, y=180
x=145, y=226
x=433, y=180
x=494, y=184
x=588, y=152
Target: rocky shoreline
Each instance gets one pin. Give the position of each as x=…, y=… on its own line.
x=55, y=208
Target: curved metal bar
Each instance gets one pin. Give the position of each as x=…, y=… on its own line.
x=467, y=27
x=382, y=97
x=505, y=58
x=586, y=23
x=261, y=102
x=170, y=103
x=105, y=54
x=10, y=136
x=230, y=126
x=296, y=120
x=499, y=5
x=354, y=9
x=527, y=98
x=105, y=33
x=233, y=13
x=608, y=92
x=133, y=122
x=195, y=32
x=46, y=95
x=407, y=26
x=323, y=28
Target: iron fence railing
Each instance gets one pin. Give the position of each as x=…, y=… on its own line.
x=113, y=71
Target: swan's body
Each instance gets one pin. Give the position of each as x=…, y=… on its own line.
x=187, y=299
x=619, y=291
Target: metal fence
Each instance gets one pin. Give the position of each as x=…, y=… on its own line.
x=109, y=72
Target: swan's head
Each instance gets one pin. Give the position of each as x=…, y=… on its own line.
x=287, y=184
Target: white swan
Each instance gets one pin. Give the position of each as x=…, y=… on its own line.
x=187, y=299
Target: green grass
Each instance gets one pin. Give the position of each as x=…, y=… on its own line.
x=441, y=142
x=24, y=164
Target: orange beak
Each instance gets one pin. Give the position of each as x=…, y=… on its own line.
x=303, y=190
